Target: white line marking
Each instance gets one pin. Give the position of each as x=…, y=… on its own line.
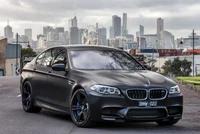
x=19, y=95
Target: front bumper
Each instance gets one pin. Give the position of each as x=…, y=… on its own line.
x=121, y=108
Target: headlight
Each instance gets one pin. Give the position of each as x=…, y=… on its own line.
x=174, y=90
x=105, y=89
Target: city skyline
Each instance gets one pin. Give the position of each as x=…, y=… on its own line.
x=33, y=14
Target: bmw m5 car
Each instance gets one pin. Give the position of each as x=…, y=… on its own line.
x=98, y=83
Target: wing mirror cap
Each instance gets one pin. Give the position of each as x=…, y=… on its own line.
x=59, y=67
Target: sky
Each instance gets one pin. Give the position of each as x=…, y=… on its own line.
x=180, y=16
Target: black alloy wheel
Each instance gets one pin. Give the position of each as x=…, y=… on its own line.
x=27, y=100
x=80, y=110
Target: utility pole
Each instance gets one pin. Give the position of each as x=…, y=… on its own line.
x=16, y=54
x=193, y=51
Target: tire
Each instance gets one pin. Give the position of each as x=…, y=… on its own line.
x=27, y=99
x=169, y=123
x=80, y=109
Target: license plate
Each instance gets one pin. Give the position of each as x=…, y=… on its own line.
x=146, y=103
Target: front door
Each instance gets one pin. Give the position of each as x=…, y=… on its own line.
x=59, y=88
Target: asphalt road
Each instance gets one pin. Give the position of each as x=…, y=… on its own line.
x=13, y=120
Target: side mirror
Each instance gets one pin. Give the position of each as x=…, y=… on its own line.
x=59, y=67
x=147, y=67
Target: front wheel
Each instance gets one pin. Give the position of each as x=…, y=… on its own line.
x=27, y=99
x=80, y=109
x=171, y=122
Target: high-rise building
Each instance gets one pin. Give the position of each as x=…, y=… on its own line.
x=39, y=36
x=102, y=36
x=137, y=34
x=73, y=35
x=111, y=30
x=124, y=25
x=51, y=36
x=28, y=33
x=58, y=30
x=141, y=29
x=47, y=29
x=80, y=34
x=41, y=44
x=160, y=25
x=73, y=31
x=73, y=22
x=8, y=33
x=116, y=24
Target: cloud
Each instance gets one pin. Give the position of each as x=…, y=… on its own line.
x=179, y=15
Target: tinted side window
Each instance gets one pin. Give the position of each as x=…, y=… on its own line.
x=47, y=59
x=40, y=59
x=59, y=56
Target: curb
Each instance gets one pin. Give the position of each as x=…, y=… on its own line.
x=186, y=84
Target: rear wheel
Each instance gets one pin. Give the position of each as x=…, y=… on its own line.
x=27, y=100
x=171, y=122
x=80, y=110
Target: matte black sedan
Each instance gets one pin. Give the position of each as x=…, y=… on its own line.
x=96, y=83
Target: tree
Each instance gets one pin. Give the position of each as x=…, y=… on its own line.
x=167, y=68
x=27, y=52
x=177, y=67
x=154, y=68
x=186, y=67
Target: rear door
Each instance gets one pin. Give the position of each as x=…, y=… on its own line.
x=40, y=86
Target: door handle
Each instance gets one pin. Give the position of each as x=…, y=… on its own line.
x=49, y=72
x=34, y=69
x=70, y=82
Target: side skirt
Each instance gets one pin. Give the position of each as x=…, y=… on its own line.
x=51, y=107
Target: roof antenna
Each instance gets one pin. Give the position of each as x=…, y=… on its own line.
x=8, y=22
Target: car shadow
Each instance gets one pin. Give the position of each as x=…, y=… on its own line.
x=56, y=115
x=112, y=126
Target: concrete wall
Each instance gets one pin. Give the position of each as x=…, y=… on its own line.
x=3, y=44
x=10, y=67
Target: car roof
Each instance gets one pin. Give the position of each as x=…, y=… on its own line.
x=83, y=46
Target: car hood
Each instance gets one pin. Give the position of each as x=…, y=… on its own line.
x=122, y=78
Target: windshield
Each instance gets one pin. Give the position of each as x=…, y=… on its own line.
x=103, y=60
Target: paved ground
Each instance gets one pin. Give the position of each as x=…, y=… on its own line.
x=13, y=120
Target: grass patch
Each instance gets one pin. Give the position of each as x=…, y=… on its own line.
x=192, y=80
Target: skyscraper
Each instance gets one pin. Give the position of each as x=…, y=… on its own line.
x=73, y=22
x=102, y=36
x=160, y=25
x=80, y=33
x=8, y=32
x=73, y=31
x=111, y=30
x=59, y=30
x=47, y=29
x=116, y=24
x=51, y=36
x=141, y=29
x=28, y=33
x=73, y=35
x=124, y=26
